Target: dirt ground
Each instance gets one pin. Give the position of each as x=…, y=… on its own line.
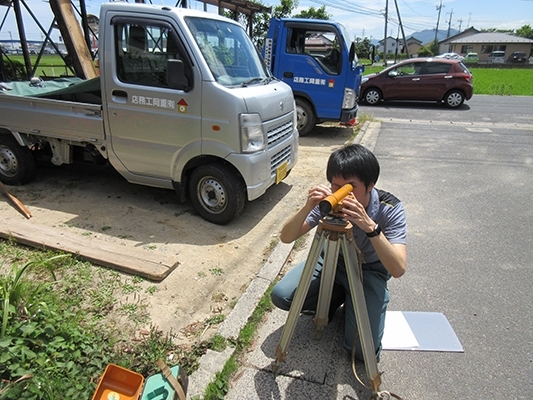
x=216, y=262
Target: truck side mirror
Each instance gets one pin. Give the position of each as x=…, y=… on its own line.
x=176, y=75
x=351, y=55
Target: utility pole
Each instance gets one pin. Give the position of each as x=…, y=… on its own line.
x=401, y=26
x=385, y=36
x=438, y=19
x=460, y=24
x=436, y=42
x=449, y=24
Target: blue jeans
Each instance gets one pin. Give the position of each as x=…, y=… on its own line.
x=375, y=278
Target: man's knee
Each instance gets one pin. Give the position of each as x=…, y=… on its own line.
x=280, y=300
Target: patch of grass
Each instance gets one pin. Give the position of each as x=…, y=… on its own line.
x=218, y=388
x=505, y=81
x=62, y=328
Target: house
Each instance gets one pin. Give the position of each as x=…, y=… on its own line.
x=318, y=44
x=486, y=42
x=392, y=45
x=446, y=47
x=413, y=45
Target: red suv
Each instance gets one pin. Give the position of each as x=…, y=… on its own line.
x=422, y=79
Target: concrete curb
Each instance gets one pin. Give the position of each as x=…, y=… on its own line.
x=212, y=362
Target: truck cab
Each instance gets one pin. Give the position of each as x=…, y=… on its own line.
x=318, y=61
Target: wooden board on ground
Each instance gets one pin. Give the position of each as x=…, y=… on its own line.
x=127, y=259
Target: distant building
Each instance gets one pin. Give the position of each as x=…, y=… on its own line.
x=392, y=45
x=486, y=42
x=445, y=45
x=413, y=45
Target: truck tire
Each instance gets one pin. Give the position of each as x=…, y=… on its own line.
x=306, y=118
x=217, y=193
x=17, y=164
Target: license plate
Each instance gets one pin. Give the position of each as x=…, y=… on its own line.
x=281, y=172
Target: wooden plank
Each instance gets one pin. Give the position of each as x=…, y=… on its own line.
x=131, y=260
x=73, y=38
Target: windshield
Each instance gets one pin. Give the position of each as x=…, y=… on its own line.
x=228, y=51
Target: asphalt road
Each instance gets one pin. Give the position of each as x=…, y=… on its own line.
x=466, y=178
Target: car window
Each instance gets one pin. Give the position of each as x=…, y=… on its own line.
x=438, y=68
x=408, y=69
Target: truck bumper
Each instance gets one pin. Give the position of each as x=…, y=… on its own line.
x=252, y=167
x=348, y=115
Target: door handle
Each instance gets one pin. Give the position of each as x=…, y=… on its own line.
x=119, y=96
x=119, y=93
x=288, y=74
x=416, y=79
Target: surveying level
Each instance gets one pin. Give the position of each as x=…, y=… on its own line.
x=333, y=234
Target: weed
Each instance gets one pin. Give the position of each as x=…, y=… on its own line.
x=217, y=271
x=151, y=289
x=201, y=275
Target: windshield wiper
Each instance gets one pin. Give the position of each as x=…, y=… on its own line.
x=250, y=81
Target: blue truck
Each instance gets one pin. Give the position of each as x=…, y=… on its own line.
x=317, y=59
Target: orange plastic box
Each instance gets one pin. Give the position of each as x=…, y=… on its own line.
x=119, y=383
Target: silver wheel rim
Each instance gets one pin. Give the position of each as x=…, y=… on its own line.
x=372, y=97
x=301, y=118
x=8, y=162
x=212, y=195
x=454, y=99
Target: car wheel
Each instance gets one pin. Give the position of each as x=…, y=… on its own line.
x=217, y=193
x=454, y=99
x=305, y=117
x=17, y=165
x=372, y=96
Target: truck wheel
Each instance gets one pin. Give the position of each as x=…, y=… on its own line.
x=454, y=99
x=372, y=96
x=217, y=194
x=305, y=117
x=17, y=165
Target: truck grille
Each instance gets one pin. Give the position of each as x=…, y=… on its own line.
x=279, y=133
x=280, y=158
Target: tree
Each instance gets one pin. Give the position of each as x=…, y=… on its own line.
x=314, y=13
x=525, y=31
x=425, y=51
x=363, y=48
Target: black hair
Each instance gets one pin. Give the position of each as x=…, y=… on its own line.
x=353, y=160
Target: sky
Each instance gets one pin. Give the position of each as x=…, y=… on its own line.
x=362, y=18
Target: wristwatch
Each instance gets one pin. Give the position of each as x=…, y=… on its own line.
x=375, y=232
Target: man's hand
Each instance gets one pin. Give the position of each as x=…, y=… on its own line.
x=316, y=195
x=353, y=211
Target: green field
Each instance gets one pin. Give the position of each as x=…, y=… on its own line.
x=495, y=81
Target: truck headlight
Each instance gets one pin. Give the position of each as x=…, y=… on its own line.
x=348, y=101
x=252, y=134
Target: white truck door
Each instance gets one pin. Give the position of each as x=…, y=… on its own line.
x=150, y=121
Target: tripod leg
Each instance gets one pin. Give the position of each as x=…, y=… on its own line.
x=327, y=279
x=355, y=280
x=298, y=300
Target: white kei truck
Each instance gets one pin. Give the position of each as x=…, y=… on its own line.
x=183, y=101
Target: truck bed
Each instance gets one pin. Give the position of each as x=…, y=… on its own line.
x=72, y=112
